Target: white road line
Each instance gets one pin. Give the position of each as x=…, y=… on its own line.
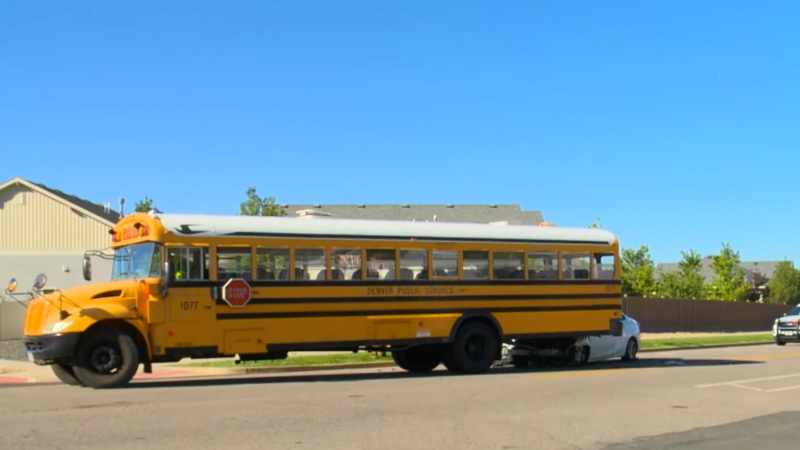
x=751, y=380
x=787, y=388
x=747, y=387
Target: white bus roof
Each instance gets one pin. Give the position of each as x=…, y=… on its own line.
x=333, y=228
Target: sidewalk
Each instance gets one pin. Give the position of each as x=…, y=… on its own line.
x=23, y=372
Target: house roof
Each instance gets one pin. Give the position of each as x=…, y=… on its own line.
x=767, y=268
x=471, y=213
x=99, y=211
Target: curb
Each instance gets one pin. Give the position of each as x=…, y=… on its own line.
x=700, y=347
x=324, y=367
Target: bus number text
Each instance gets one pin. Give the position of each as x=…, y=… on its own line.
x=188, y=305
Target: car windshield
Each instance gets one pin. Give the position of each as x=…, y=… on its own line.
x=137, y=261
x=795, y=311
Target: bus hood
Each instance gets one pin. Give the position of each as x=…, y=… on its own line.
x=45, y=311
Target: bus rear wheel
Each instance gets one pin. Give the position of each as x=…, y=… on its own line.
x=106, y=358
x=422, y=358
x=65, y=374
x=474, y=349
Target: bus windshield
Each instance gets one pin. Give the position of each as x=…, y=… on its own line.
x=137, y=261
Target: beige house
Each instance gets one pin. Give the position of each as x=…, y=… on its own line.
x=43, y=230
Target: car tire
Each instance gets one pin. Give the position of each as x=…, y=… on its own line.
x=631, y=350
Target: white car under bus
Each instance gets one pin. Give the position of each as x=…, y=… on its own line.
x=587, y=350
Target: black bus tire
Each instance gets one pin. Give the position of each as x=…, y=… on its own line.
x=106, y=358
x=474, y=349
x=65, y=374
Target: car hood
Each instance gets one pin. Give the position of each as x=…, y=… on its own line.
x=789, y=320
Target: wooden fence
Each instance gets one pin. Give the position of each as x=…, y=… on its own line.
x=685, y=315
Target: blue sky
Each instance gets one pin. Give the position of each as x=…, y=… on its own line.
x=674, y=122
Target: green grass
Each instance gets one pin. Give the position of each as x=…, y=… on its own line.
x=706, y=340
x=363, y=357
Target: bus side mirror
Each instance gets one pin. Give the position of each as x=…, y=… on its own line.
x=87, y=268
x=40, y=282
x=169, y=273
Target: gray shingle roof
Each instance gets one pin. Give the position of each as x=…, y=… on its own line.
x=99, y=210
x=767, y=268
x=472, y=213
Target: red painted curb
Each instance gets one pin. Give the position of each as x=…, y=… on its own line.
x=163, y=374
x=13, y=380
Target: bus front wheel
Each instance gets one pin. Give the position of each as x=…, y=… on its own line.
x=106, y=358
x=65, y=374
x=474, y=349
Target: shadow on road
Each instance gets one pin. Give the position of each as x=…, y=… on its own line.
x=393, y=373
x=779, y=430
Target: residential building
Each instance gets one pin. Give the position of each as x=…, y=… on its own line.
x=44, y=230
x=473, y=213
x=766, y=268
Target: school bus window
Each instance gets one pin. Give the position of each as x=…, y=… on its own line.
x=309, y=264
x=191, y=263
x=575, y=266
x=345, y=264
x=413, y=264
x=542, y=266
x=137, y=261
x=604, y=266
x=445, y=263
x=476, y=265
x=234, y=262
x=381, y=264
x=509, y=265
x=272, y=263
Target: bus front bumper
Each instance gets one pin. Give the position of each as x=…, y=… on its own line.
x=47, y=349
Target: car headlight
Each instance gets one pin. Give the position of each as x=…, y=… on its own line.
x=56, y=327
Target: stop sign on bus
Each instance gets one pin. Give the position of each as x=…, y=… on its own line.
x=236, y=292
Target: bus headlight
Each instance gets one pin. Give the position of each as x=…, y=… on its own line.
x=56, y=327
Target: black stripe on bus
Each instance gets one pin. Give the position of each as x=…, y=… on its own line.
x=354, y=237
x=424, y=298
x=401, y=312
x=372, y=283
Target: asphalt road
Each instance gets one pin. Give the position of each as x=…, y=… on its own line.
x=735, y=398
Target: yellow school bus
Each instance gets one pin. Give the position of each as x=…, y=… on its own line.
x=431, y=293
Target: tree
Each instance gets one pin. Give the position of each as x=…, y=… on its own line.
x=693, y=283
x=638, y=272
x=669, y=284
x=596, y=224
x=785, y=284
x=687, y=281
x=729, y=281
x=757, y=286
x=146, y=205
x=257, y=206
x=267, y=206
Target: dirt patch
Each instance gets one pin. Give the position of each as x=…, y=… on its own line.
x=5, y=370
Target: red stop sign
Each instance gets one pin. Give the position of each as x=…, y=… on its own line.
x=236, y=292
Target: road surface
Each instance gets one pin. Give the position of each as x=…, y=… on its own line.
x=733, y=398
